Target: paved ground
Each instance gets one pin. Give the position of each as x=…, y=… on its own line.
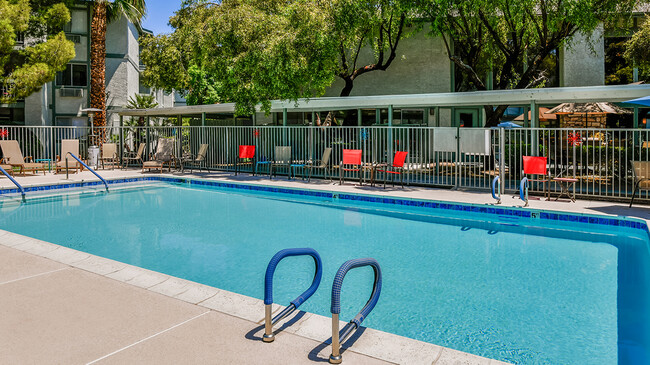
x=63, y=306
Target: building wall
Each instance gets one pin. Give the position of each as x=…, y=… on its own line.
x=421, y=66
x=582, y=60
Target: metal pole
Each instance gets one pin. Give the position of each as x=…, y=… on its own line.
x=502, y=156
x=268, y=325
x=335, y=357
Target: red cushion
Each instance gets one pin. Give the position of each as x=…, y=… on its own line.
x=534, y=165
x=352, y=157
x=246, y=151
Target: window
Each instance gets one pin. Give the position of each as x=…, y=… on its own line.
x=68, y=27
x=20, y=38
x=73, y=75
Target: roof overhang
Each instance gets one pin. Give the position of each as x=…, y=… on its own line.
x=547, y=96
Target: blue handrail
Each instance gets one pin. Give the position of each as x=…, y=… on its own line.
x=86, y=166
x=22, y=191
x=496, y=181
x=294, y=304
x=523, y=190
x=355, y=323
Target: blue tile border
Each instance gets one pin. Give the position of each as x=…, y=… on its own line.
x=502, y=212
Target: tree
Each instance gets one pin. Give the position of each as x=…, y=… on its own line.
x=377, y=24
x=637, y=49
x=512, y=38
x=45, y=49
x=252, y=51
x=105, y=11
x=141, y=101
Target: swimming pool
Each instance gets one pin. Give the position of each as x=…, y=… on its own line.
x=516, y=285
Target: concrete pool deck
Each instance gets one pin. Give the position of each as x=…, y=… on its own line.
x=59, y=305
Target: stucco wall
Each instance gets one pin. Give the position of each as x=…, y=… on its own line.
x=36, y=107
x=582, y=60
x=421, y=66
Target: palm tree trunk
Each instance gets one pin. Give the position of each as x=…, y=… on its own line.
x=98, y=67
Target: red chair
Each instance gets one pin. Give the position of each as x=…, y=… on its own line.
x=536, y=166
x=245, y=152
x=396, y=168
x=352, y=159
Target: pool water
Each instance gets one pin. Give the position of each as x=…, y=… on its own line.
x=498, y=290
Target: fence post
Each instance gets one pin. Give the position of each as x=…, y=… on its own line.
x=502, y=159
x=121, y=138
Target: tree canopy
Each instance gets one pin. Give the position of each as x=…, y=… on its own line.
x=45, y=49
x=254, y=51
x=637, y=49
x=512, y=39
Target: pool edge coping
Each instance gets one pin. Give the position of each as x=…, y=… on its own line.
x=373, y=343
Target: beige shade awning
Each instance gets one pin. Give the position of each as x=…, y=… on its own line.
x=588, y=108
x=542, y=117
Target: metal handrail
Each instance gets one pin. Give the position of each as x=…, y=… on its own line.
x=523, y=190
x=339, y=337
x=496, y=189
x=268, y=287
x=84, y=165
x=22, y=191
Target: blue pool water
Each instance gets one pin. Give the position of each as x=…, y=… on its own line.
x=516, y=293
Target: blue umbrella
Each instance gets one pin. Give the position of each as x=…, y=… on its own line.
x=508, y=125
x=644, y=101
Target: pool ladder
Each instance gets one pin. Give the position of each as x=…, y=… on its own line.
x=338, y=337
x=84, y=165
x=20, y=188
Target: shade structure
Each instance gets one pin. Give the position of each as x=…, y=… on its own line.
x=588, y=108
x=543, y=115
x=644, y=101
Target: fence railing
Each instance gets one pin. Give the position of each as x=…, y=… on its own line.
x=600, y=159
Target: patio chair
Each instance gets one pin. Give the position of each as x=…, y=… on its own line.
x=396, y=168
x=164, y=155
x=535, y=169
x=68, y=146
x=246, y=152
x=282, y=158
x=323, y=163
x=351, y=159
x=131, y=157
x=109, y=154
x=13, y=156
x=7, y=168
x=197, y=160
x=641, y=171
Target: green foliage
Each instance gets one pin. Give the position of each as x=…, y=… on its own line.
x=252, y=51
x=637, y=49
x=512, y=38
x=24, y=70
x=140, y=101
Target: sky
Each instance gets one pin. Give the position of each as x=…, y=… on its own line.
x=158, y=13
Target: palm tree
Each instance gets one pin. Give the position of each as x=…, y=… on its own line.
x=105, y=11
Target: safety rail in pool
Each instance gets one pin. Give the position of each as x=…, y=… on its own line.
x=339, y=337
x=496, y=189
x=86, y=166
x=20, y=188
x=268, y=287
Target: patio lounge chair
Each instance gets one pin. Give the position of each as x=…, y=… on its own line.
x=134, y=157
x=641, y=170
x=109, y=155
x=164, y=155
x=323, y=163
x=68, y=146
x=282, y=159
x=12, y=156
x=351, y=159
x=197, y=160
x=396, y=168
x=7, y=168
x=246, y=152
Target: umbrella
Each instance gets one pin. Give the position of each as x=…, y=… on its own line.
x=508, y=125
x=588, y=108
x=644, y=101
x=542, y=117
